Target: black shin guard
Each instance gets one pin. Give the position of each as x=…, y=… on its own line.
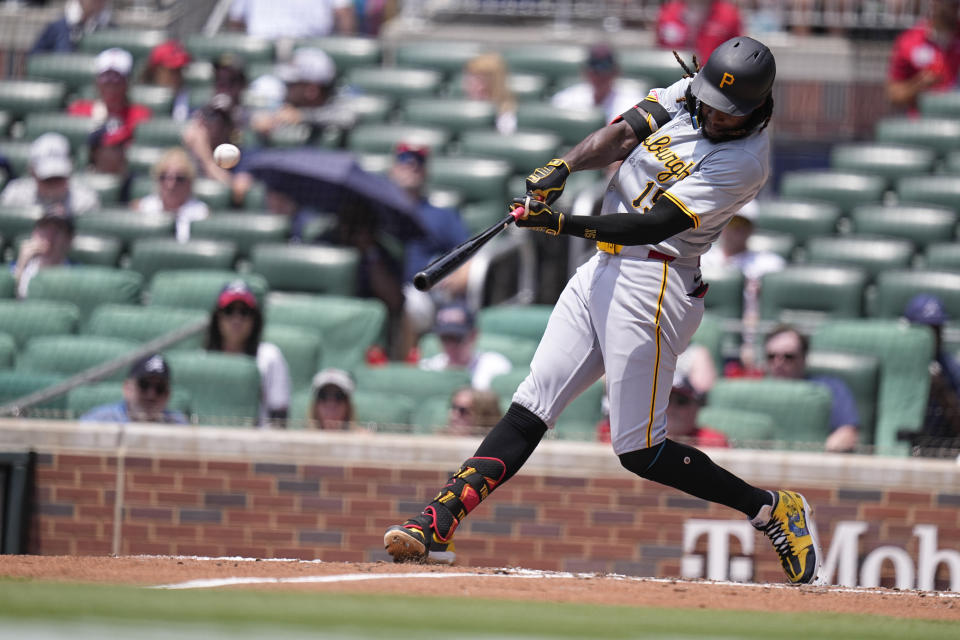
x=683, y=467
x=498, y=458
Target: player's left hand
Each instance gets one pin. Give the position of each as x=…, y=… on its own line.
x=538, y=216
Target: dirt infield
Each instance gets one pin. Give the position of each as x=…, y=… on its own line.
x=510, y=584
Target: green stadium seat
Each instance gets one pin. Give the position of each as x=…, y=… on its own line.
x=710, y=334
x=347, y=327
x=187, y=289
x=82, y=399
x=431, y=414
x=448, y=57
x=939, y=104
x=95, y=250
x=224, y=388
x=348, y=52
x=18, y=221
x=860, y=372
x=157, y=98
x=943, y=256
x=387, y=411
x=7, y=284
x=524, y=151
x=951, y=163
x=454, y=115
x=943, y=191
x=572, y=125
x=20, y=97
x=160, y=131
x=477, y=216
x=888, y=161
x=477, y=179
x=904, y=352
x=383, y=138
x=17, y=154
x=399, y=84
x=107, y=186
x=139, y=42
x=214, y=194
x=307, y=269
x=553, y=60
x=922, y=225
x=525, y=87
x=367, y=109
x=198, y=73
x=800, y=410
x=76, y=129
x=942, y=135
x=150, y=255
x=18, y=384
x=86, y=286
x=141, y=324
x=896, y=287
x=208, y=47
x=25, y=319
x=125, y=225
x=69, y=355
x=141, y=158
x=518, y=350
x=72, y=69
x=782, y=244
x=522, y=321
x=812, y=290
x=660, y=66
x=844, y=189
x=725, y=296
x=579, y=420
x=301, y=349
x=6, y=119
x=8, y=351
x=738, y=425
x=410, y=380
x=245, y=230
x=872, y=254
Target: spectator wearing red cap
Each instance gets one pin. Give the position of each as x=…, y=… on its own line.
x=697, y=25
x=107, y=151
x=236, y=324
x=601, y=87
x=113, y=107
x=165, y=68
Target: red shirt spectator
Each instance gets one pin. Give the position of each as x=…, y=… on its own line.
x=924, y=57
x=697, y=25
x=113, y=108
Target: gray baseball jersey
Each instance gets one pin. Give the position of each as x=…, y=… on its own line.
x=628, y=314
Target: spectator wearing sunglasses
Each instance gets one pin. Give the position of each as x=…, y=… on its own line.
x=236, y=324
x=472, y=412
x=786, y=355
x=146, y=392
x=331, y=402
x=455, y=326
x=174, y=174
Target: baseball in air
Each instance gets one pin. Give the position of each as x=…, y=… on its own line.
x=226, y=156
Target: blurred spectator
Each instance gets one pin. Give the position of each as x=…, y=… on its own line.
x=230, y=78
x=331, y=400
x=174, y=175
x=146, y=392
x=732, y=252
x=51, y=182
x=107, y=151
x=210, y=127
x=942, y=418
x=485, y=78
x=472, y=412
x=165, y=68
x=786, y=351
x=80, y=17
x=291, y=19
x=113, y=108
x=697, y=25
x=696, y=366
x=279, y=202
x=685, y=402
x=456, y=328
x=926, y=57
x=309, y=79
x=601, y=86
x=236, y=324
x=48, y=246
x=443, y=231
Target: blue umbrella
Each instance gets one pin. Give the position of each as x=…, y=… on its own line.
x=334, y=182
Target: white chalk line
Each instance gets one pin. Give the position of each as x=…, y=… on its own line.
x=213, y=583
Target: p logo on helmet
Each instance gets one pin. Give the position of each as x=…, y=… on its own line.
x=727, y=79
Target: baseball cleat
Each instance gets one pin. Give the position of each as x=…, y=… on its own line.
x=408, y=543
x=793, y=534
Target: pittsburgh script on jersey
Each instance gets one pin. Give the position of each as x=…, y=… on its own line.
x=676, y=168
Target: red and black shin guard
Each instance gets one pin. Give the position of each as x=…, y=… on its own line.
x=468, y=487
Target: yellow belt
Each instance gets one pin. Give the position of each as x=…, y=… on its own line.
x=609, y=247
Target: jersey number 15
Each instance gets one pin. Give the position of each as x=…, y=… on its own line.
x=646, y=192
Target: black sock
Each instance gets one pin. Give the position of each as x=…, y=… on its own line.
x=513, y=439
x=683, y=467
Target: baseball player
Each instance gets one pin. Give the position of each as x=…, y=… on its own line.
x=692, y=155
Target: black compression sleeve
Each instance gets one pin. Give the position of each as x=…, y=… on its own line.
x=664, y=219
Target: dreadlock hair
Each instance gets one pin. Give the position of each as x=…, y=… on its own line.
x=758, y=121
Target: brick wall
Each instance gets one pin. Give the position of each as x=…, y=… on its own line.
x=593, y=519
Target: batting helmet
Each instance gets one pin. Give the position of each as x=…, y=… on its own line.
x=737, y=78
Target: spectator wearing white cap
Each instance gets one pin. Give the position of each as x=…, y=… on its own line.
x=290, y=19
x=112, y=107
x=51, y=182
x=331, y=400
x=80, y=17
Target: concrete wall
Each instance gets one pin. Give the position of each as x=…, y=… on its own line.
x=226, y=492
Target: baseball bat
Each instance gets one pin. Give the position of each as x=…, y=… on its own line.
x=451, y=260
